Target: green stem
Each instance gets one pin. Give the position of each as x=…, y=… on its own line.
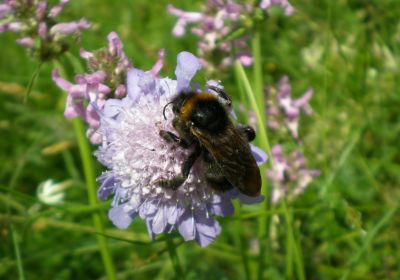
x=263, y=140
x=86, y=157
x=264, y=144
x=368, y=241
x=21, y=275
x=173, y=255
x=294, y=248
x=32, y=82
x=257, y=71
x=240, y=241
x=257, y=104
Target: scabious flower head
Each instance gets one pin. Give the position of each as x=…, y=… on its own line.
x=137, y=157
x=219, y=21
x=106, y=79
x=36, y=24
x=284, y=111
x=289, y=175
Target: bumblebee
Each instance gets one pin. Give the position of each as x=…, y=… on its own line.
x=202, y=119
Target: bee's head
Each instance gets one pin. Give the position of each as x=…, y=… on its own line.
x=208, y=114
x=202, y=110
x=177, y=104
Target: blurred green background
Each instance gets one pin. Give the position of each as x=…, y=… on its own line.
x=346, y=224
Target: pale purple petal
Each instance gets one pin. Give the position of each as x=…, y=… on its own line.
x=62, y=83
x=120, y=217
x=250, y=200
x=259, y=155
x=160, y=221
x=223, y=208
x=207, y=229
x=187, y=67
x=187, y=225
x=107, y=186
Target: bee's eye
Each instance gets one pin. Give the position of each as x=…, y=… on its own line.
x=209, y=116
x=202, y=118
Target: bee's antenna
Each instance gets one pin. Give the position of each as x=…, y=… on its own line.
x=163, y=112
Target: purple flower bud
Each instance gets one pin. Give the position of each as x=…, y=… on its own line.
x=27, y=42
x=56, y=10
x=289, y=175
x=184, y=19
x=114, y=44
x=40, y=10
x=65, y=29
x=17, y=27
x=159, y=64
x=85, y=54
x=284, y=4
x=283, y=109
x=42, y=30
x=5, y=9
x=120, y=92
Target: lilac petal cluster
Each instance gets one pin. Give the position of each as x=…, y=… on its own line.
x=284, y=111
x=137, y=158
x=219, y=20
x=36, y=24
x=289, y=175
x=108, y=68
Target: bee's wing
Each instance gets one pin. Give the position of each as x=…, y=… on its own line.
x=232, y=152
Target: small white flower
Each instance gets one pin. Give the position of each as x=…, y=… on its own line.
x=52, y=193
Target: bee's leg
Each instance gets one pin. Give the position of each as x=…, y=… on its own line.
x=248, y=131
x=221, y=93
x=173, y=138
x=178, y=180
x=216, y=178
x=214, y=175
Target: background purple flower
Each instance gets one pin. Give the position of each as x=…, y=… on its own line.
x=106, y=79
x=219, y=20
x=137, y=157
x=284, y=111
x=289, y=175
x=37, y=27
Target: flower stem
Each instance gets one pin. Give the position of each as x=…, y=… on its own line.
x=264, y=144
x=257, y=71
x=294, y=248
x=21, y=274
x=240, y=241
x=86, y=157
x=32, y=82
x=173, y=255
